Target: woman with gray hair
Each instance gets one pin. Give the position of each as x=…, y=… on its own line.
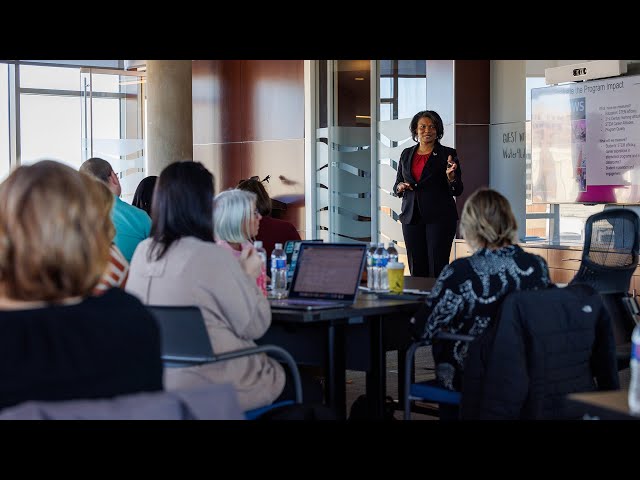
x=236, y=221
x=468, y=293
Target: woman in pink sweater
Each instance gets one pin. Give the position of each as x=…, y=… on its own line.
x=235, y=224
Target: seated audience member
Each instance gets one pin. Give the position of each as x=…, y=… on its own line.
x=272, y=230
x=181, y=265
x=117, y=269
x=468, y=293
x=144, y=193
x=132, y=224
x=57, y=341
x=235, y=223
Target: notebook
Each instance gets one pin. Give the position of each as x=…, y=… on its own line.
x=326, y=275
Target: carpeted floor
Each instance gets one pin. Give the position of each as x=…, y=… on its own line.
x=356, y=381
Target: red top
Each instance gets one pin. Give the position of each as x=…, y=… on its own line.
x=419, y=161
x=272, y=231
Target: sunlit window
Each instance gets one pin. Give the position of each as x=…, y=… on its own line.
x=571, y=218
x=50, y=113
x=50, y=129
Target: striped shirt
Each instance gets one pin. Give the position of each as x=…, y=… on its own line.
x=116, y=272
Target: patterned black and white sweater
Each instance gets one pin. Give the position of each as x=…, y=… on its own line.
x=467, y=296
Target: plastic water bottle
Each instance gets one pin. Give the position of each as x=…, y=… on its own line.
x=634, y=385
x=393, y=253
x=380, y=260
x=370, y=251
x=384, y=277
x=279, y=272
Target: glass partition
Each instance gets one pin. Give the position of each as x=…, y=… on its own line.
x=113, y=122
x=403, y=93
x=343, y=155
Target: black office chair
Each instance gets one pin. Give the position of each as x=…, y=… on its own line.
x=610, y=253
x=186, y=342
x=609, y=258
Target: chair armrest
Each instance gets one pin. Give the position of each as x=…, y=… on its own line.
x=272, y=350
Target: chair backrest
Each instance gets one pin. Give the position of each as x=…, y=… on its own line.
x=184, y=336
x=610, y=253
x=544, y=345
x=185, y=342
x=209, y=402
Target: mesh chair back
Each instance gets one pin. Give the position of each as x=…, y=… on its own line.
x=610, y=253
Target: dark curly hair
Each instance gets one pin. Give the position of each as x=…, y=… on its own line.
x=433, y=116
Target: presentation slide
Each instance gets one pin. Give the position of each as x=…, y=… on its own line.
x=585, y=144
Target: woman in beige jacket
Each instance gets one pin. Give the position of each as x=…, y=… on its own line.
x=181, y=265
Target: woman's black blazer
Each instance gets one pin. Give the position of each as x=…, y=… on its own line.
x=433, y=192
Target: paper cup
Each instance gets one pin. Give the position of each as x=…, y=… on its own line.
x=395, y=274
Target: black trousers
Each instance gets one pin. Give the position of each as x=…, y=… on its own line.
x=428, y=247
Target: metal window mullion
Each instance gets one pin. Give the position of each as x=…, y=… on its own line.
x=554, y=223
x=310, y=141
x=373, y=149
x=332, y=99
x=72, y=93
x=14, y=116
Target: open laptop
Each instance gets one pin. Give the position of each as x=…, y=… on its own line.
x=292, y=249
x=327, y=275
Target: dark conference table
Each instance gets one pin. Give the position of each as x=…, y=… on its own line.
x=352, y=338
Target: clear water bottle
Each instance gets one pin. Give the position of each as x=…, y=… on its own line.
x=634, y=385
x=279, y=272
x=370, y=251
x=393, y=253
x=380, y=260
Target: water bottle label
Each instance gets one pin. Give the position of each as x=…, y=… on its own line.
x=635, y=351
x=281, y=263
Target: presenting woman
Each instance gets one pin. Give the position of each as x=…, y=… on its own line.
x=429, y=176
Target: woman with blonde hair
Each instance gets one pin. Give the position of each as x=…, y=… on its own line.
x=235, y=224
x=469, y=291
x=57, y=341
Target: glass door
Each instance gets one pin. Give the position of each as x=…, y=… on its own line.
x=402, y=92
x=342, y=151
x=113, y=122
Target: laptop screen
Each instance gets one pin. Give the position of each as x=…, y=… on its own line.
x=291, y=249
x=328, y=270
